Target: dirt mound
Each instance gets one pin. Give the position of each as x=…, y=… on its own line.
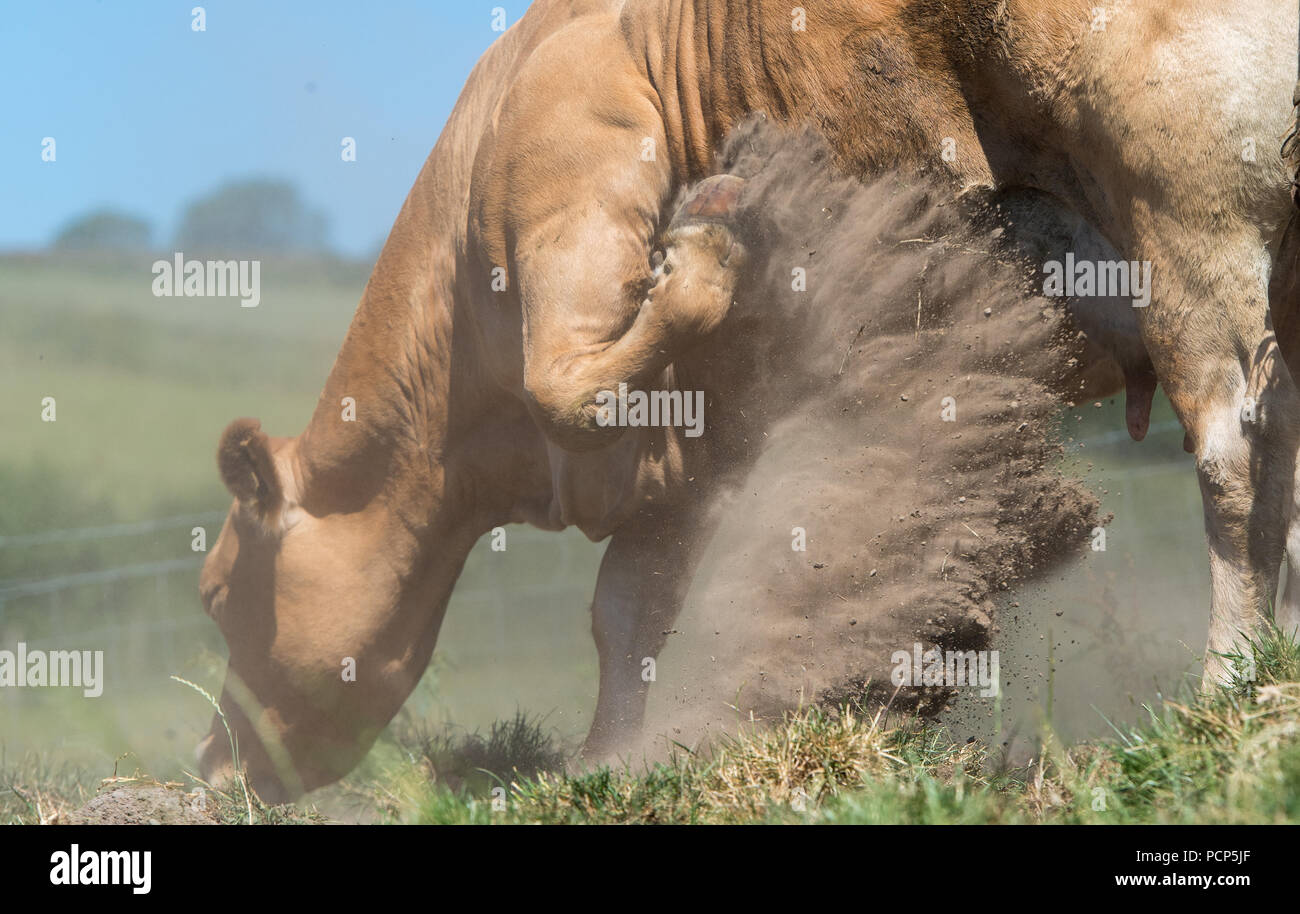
x=892, y=385
x=145, y=805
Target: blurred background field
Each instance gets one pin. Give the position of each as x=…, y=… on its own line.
x=96, y=512
x=97, y=508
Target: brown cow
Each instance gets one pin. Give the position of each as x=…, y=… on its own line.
x=520, y=281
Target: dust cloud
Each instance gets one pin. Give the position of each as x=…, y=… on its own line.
x=887, y=393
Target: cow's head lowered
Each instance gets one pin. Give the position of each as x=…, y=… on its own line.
x=318, y=608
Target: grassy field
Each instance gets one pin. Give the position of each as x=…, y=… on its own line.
x=96, y=510
x=1230, y=757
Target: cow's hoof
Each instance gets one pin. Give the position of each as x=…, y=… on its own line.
x=715, y=199
x=697, y=272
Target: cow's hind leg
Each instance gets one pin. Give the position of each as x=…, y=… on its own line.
x=1284, y=306
x=1214, y=349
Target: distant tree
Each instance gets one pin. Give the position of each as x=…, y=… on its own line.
x=252, y=214
x=104, y=230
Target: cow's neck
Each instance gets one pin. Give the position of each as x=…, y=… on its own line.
x=384, y=428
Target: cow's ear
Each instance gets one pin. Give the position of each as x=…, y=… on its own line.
x=248, y=467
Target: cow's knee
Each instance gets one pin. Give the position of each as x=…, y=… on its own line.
x=566, y=407
x=693, y=278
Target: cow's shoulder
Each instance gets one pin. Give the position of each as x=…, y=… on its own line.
x=575, y=114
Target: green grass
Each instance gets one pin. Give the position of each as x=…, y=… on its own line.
x=475, y=762
x=37, y=787
x=1231, y=756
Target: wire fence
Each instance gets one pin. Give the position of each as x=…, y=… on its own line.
x=16, y=588
x=13, y=589
x=135, y=528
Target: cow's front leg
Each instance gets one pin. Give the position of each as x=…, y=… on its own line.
x=604, y=312
x=644, y=578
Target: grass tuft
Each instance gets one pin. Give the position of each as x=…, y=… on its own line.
x=1230, y=755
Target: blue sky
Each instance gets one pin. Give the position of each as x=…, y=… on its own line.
x=148, y=114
